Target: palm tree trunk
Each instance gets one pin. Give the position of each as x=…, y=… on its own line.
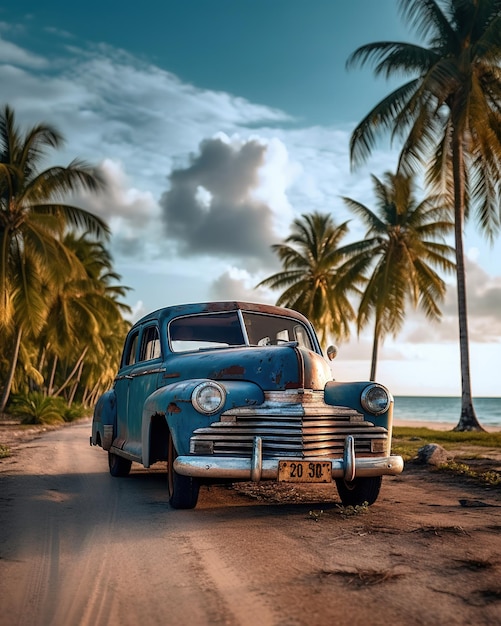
x=52, y=376
x=76, y=383
x=4, y=257
x=91, y=397
x=12, y=370
x=468, y=420
x=41, y=365
x=73, y=371
x=375, y=349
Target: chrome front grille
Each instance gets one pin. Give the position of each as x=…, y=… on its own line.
x=290, y=424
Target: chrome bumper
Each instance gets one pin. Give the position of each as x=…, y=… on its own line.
x=256, y=468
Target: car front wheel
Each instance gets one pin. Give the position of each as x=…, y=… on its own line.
x=359, y=491
x=183, y=490
x=119, y=466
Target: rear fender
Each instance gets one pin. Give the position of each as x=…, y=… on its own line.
x=174, y=403
x=104, y=420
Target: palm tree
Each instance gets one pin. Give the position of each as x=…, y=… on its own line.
x=83, y=311
x=33, y=220
x=449, y=115
x=398, y=251
x=315, y=281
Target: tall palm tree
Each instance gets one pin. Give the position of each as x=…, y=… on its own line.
x=402, y=245
x=316, y=282
x=83, y=311
x=33, y=219
x=449, y=115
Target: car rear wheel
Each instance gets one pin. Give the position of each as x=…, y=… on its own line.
x=183, y=490
x=119, y=466
x=359, y=491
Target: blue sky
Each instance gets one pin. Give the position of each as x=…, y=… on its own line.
x=216, y=123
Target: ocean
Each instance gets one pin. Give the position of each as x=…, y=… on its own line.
x=443, y=409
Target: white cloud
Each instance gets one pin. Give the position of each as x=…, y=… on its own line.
x=235, y=216
x=237, y=284
x=13, y=55
x=121, y=203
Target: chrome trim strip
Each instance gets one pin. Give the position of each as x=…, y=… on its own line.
x=349, y=458
x=257, y=459
x=241, y=468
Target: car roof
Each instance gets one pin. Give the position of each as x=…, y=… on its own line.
x=171, y=312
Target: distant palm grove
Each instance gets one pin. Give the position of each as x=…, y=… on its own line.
x=61, y=314
x=61, y=323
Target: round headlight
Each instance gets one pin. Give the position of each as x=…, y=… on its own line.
x=375, y=399
x=208, y=397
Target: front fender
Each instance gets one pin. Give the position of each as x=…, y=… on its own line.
x=104, y=420
x=349, y=394
x=174, y=402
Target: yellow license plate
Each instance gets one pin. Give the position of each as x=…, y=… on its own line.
x=305, y=471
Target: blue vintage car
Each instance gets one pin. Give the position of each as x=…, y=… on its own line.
x=238, y=391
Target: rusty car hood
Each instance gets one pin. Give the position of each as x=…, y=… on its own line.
x=273, y=368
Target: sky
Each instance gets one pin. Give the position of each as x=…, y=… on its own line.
x=216, y=123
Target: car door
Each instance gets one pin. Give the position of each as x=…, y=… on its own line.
x=129, y=359
x=143, y=380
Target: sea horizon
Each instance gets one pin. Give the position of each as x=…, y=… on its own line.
x=446, y=409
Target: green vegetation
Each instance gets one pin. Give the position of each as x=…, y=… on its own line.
x=449, y=119
x=490, y=477
x=345, y=511
x=402, y=246
x=407, y=441
x=61, y=323
x=316, y=279
x=4, y=451
x=36, y=408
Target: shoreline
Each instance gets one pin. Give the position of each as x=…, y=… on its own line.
x=436, y=425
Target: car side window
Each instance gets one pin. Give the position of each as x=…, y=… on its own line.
x=129, y=356
x=150, y=344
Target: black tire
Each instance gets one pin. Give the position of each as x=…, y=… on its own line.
x=119, y=467
x=359, y=491
x=183, y=490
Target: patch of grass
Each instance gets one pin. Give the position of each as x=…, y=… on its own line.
x=350, y=511
x=407, y=441
x=344, y=511
x=4, y=451
x=462, y=469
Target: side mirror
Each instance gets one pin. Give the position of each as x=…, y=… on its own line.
x=331, y=352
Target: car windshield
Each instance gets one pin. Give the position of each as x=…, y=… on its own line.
x=266, y=330
x=218, y=330
x=212, y=330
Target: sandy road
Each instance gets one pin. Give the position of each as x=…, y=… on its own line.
x=78, y=547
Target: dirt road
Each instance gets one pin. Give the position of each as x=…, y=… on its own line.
x=78, y=547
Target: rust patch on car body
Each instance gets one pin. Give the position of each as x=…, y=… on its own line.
x=234, y=370
x=173, y=408
x=172, y=375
